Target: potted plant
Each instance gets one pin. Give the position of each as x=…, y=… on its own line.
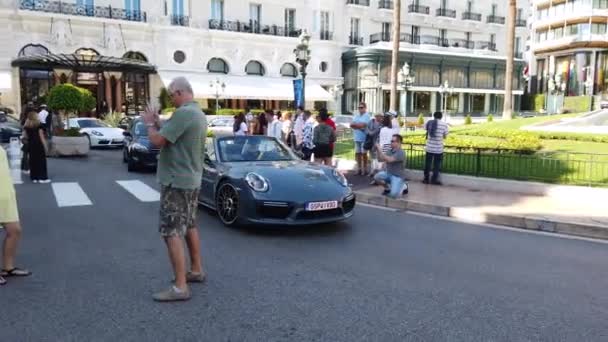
x=67, y=100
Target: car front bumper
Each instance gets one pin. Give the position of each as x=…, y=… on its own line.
x=284, y=213
x=107, y=141
x=145, y=158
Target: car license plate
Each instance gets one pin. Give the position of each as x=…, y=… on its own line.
x=318, y=206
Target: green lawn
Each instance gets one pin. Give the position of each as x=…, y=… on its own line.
x=516, y=123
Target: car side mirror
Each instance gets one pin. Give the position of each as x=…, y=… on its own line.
x=126, y=134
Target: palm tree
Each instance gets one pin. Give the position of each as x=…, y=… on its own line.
x=507, y=111
x=395, y=56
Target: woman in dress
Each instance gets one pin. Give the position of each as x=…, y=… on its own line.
x=9, y=218
x=36, y=138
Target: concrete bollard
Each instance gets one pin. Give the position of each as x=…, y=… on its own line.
x=14, y=160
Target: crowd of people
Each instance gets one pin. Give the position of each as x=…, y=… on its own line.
x=313, y=138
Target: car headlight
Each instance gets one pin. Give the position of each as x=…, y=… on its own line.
x=256, y=182
x=96, y=133
x=340, y=178
x=139, y=147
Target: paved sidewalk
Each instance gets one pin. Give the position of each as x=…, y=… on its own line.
x=563, y=212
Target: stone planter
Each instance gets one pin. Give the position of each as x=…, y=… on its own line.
x=69, y=146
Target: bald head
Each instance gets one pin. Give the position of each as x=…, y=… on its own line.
x=180, y=91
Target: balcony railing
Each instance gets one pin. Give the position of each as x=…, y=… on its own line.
x=444, y=12
x=385, y=4
x=355, y=40
x=494, y=19
x=60, y=7
x=486, y=46
x=379, y=37
x=326, y=35
x=253, y=27
x=419, y=9
x=358, y=2
x=471, y=16
x=521, y=23
x=434, y=40
x=180, y=20
x=462, y=43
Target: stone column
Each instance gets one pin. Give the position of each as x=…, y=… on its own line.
x=486, y=107
x=461, y=102
x=119, y=90
x=108, y=82
x=435, y=97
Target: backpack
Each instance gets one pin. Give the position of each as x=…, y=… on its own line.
x=325, y=135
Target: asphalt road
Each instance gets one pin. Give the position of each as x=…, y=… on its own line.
x=381, y=276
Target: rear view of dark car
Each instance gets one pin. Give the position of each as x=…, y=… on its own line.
x=138, y=152
x=9, y=128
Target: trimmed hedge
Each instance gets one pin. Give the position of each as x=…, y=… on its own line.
x=538, y=102
x=520, y=143
x=577, y=104
x=506, y=133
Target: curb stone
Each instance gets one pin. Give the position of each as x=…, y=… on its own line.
x=525, y=222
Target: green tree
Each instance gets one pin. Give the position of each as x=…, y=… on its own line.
x=66, y=100
x=163, y=99
x=88, y=101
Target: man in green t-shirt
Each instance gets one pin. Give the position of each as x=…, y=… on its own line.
x=180, y=168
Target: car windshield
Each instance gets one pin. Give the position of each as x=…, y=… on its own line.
x=342, y=119
x=222, y=122
x=92, y=123
x=253, y=148
x=140, y=129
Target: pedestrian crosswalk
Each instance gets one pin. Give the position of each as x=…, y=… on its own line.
x=72, y=194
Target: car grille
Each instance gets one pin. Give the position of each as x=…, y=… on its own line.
x=349, y=204
x=274, y=210
x=323, y=214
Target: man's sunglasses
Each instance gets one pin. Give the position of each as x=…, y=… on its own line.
x=361, y=107
x=394, y=141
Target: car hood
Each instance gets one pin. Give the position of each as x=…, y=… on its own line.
x=106, y=131
x=293, y=178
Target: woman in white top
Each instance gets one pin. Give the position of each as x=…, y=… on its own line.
x=286, y=125
x=240, y=125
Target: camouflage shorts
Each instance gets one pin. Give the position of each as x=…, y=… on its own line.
x=178, y=210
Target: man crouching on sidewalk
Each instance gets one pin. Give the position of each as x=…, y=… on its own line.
x=393, y=175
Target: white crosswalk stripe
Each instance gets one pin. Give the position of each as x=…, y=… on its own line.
x=140, y=190
x=70, y=195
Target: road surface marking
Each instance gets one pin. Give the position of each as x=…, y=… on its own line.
x=70, y=195
x=378, y=207
x=140, y=190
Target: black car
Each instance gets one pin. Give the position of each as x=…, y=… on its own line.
x=138, y=151
x=259, y=180
x=9, y=128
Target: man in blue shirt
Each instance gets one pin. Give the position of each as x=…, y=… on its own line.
x=359, y=125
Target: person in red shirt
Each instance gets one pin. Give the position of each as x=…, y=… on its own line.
x=328, y=121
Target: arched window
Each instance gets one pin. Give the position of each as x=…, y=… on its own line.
x=289, y=70
x=87, y=52
x=135, y=55
x=33, y=50
x=254, y=68
x=217, y=66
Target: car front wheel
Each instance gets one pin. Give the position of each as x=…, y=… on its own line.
x=227, y=204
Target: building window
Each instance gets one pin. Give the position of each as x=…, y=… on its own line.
x=217, y=66
x=289, y=70
x=494, y=9
x=598, y=28
x=135, y=55
x=179, y=56
x=33, y=50
x=520, y=13
x=323, y=66
x=426, y=75
x=132, y=6
x=354, y=28
x=470, y=6
x=290, y=19
x=178, y=8
x=217, y=10
x=478, y=103
x=481, y=79
x=517, y=44
x=600, y=3
x=254, y=68
x=255, y=13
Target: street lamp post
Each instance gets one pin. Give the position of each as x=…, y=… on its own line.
x=407, y=79
x=302, y=53
x=443, y=89
x=219, y=88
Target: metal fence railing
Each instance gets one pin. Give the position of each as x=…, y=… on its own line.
x=557, y=167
